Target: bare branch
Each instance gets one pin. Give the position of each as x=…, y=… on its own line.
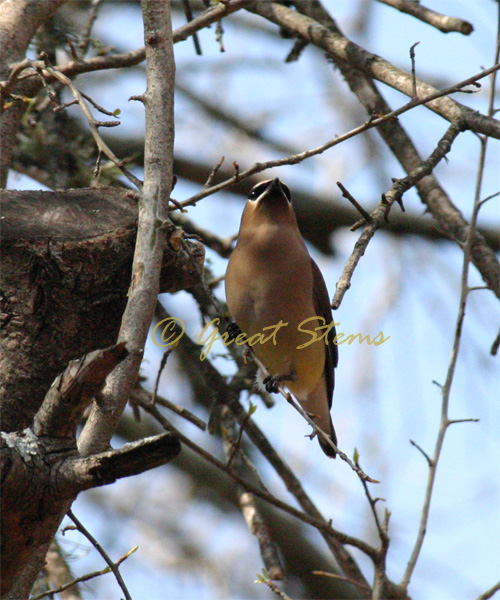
x=369, y=124
x=189, y=17
x=445, y=421
x=381, y=212
x=251, y=513
x=414, y=94
x=489, y=593
x=72, y=391
x=60, y=574
x=19, y=21
x=229, y=395
x=178, y=410
x=93, y=124
x=87, y=30
x=131, y=459
x=318, y=523
x=449, y=219
x=112, y=566
x=265, y=579
x=346, y=194
x=146, y=268
x=339, y=47
x=134, y=57
x=444, y=23
x=423, y=452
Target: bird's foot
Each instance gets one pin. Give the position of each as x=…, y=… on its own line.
x=233, y=331
x=272, y=382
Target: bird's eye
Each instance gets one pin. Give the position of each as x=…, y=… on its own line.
x=286, y=189
x=258, y=189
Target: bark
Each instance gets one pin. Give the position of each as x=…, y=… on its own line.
x=42, y=472
x=66, y=268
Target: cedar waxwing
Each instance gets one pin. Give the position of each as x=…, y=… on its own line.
x=271, y=281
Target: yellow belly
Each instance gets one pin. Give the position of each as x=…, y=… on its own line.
x=307, y=364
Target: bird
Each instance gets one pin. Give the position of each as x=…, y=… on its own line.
x=272, y=282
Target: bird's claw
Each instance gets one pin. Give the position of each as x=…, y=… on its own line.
x=272, y=384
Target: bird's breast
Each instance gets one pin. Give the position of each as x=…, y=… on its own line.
x=269, y=281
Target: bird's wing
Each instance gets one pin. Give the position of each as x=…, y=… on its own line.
x=323, y=309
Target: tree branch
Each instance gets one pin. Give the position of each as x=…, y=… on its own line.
x=381, y=212
x=19, y=20
x=489, y=593
x=339, y=47
x=131, y=459
x=449, y=219
x=444, y=23
x=251, y=513
x=228, y=395
x=445, y=420
x=158, y=165
x=72, y=391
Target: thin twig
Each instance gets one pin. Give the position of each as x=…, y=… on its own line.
x=163, y=363
x=495, y=345
x=446, y=388
x=264, y=578
x=86, y=577
x=423, y=452
x=469, y=420
x=87, y=30
x=373, y=502
x=346, y=194
x=113, y=566
x=59, y=572
x=414, y=94
x=213, y=172
x=99, y=107
x=237, y=442
x=189, y=18
x=93, y=124
x=340, y=48
x=241, y=464
x=489, y=197
x=228, y=394
x=342, y=578
x=291, y=400
x=175, y=408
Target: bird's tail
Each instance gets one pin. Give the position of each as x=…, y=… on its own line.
x=325, y=446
